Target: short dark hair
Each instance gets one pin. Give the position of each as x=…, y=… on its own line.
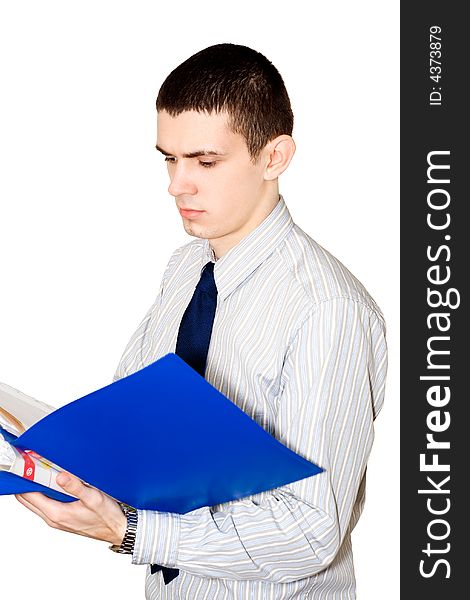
x=235, y=79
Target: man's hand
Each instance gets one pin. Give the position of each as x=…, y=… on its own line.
x=93, y=515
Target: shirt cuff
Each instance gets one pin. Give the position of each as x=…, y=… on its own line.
x=157, y=538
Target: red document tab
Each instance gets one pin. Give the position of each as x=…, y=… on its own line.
x=29, y=467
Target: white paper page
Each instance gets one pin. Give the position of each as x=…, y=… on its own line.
x=7, y=455
x=24, y=408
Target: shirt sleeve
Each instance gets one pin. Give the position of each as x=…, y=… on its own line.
x=132, y=358
x=332, y=388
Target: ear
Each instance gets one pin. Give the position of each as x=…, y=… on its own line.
x=279, y=153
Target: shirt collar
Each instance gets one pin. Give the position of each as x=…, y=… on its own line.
x=240, y=261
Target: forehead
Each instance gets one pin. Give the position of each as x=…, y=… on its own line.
x=193, y=130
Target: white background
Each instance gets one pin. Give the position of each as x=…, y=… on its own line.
x=87, y=225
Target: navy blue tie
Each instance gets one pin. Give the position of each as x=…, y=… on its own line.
x=192, y=345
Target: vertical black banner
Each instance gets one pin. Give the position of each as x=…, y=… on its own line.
x=435, y=430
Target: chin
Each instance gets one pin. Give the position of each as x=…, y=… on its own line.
x=199, y=232
x=194, y=231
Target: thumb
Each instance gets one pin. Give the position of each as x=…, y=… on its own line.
x=72, y=485
x=63, y=479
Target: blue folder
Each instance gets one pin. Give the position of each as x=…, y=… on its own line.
x=161, y=439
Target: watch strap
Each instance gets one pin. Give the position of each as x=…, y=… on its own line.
x=128, y=541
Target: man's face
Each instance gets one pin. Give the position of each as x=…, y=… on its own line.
x=211, y=172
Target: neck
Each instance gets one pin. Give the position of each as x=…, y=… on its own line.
x=222, y=245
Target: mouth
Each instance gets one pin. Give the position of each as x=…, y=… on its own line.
x=189, y=213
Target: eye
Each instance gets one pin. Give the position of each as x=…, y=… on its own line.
x=170, y=159
x=207, y=164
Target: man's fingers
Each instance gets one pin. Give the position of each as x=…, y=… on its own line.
x=25, y=502
x=40, y=504
x=46, y=518
x=94, y=515
x=32, y=507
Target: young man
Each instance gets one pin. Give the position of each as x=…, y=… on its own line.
x=295, y=341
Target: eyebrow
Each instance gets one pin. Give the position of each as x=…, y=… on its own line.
x=193, y=154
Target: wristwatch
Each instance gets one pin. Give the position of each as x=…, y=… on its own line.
x=128, y=541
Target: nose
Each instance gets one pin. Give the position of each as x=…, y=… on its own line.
x=181, y=181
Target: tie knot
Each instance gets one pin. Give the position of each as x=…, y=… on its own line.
x=207, y=281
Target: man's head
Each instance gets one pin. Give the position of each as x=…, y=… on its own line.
x=238, y=81
x=224, y=126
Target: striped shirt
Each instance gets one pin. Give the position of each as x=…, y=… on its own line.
x=299, y=345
